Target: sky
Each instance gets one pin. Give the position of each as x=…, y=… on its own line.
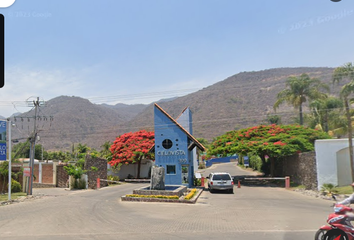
x=140, y=51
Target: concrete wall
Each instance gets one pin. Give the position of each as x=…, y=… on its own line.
x=332, y=159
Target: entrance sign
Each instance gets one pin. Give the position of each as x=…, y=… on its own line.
x=2, y=140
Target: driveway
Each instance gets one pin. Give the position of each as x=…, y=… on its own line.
x=251, y=213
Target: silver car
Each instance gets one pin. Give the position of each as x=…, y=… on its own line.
x=220, y=181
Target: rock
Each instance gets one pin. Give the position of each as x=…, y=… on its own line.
x=157, y=178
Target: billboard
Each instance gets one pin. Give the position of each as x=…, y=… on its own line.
x=2, y=140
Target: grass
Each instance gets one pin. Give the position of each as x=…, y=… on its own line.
x=5, y=197
x=297, y=186
x=344, y=190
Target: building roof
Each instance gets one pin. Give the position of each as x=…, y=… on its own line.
x=195, y=142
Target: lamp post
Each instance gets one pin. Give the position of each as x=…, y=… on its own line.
x=10, y=149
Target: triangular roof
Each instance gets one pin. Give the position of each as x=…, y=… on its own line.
x=190, y=137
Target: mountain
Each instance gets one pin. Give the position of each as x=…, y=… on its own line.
x=242, y=100
x=65, y=121
x=130, y=111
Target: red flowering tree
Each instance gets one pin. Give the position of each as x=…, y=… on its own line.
x=273, y=141
x=132, y=148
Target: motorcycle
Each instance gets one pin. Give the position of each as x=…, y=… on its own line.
x=339, y=227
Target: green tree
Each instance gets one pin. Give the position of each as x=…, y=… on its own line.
x=326, y=113
x=299, y=90
x=22, y=150
x=4, y=172
x=106, y=151
x=274, y=141
x=346, y=72
x=274, y=119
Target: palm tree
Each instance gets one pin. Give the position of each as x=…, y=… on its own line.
x=347, y=72
x=106, y=150
x=299, y=90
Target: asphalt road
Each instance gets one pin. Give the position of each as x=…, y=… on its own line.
x=251, y=213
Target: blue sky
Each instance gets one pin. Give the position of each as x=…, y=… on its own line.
x=139, y=51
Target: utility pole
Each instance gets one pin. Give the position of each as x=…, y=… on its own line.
x=33, y=144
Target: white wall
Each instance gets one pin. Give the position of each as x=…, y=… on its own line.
x=132, y=169
x=332, y=159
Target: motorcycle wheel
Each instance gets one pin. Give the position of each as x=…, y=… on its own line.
x=320, y=234
x=334, y=234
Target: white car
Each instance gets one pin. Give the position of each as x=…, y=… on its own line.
x=220, y=181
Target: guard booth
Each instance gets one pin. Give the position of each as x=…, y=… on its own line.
x=175, y=147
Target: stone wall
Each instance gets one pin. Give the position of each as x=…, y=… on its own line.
x=101, y=165
x=301, y=168
x=62, y=176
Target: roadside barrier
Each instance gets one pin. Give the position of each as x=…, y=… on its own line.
x=287, y=180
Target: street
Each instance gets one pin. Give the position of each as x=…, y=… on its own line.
x=250, y=213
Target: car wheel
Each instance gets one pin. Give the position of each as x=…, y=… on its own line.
x=231, y=191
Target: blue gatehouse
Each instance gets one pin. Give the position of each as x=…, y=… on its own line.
x=175, y=147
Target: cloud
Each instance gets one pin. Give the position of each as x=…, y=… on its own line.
x=6, y=3
x=22, y=83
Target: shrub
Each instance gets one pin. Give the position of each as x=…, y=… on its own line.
x=201, y=165
x=15, y=186
x=197, y=182
x=112, y=178
x=328, y=188
x=256, y=162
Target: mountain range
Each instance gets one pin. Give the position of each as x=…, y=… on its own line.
x=242, y=100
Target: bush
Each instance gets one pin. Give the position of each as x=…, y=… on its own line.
x=256, y=162
x=328, y=188
x=197, y=182
x=79, y=184
x=15, y=186
x=112, y=178
x=201, y=165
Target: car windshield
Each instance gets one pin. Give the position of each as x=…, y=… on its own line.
x=222, y=177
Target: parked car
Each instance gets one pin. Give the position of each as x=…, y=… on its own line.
x=220, y=181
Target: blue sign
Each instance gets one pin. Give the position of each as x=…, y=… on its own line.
x=2, y=140
x=246, y=161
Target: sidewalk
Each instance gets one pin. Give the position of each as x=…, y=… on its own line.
x=38, y=193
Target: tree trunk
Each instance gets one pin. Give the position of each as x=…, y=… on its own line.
x=350, y=136
x=139, y=166
x=326, y=122
x=301, y=117
x=272, y=166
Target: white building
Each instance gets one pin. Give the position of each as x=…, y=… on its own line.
x=332, y=161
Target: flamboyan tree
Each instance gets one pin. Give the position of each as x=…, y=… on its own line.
x=132, y=148
x=273, y=141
